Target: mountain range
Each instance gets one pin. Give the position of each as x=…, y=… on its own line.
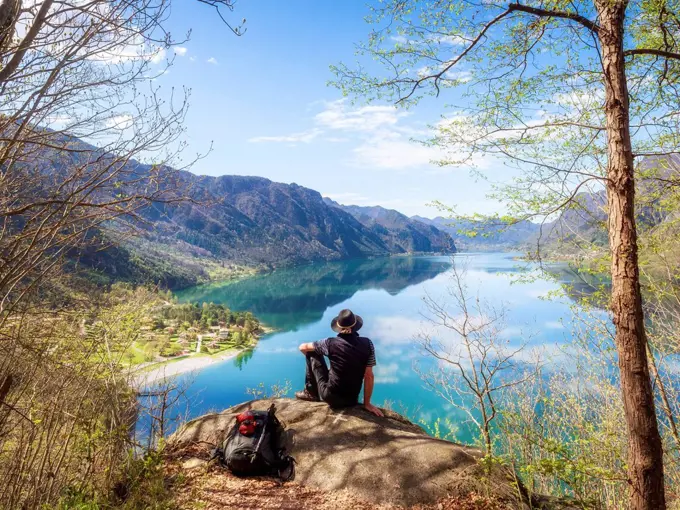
x=244, y=221
x=252, y=220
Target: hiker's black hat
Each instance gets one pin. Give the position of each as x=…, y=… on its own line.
x=347, y=322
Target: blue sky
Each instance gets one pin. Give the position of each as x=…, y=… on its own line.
x=263, y=102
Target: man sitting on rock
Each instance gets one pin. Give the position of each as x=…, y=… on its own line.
x=352, y=358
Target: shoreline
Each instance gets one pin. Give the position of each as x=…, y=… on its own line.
x=158, y=371
x=170, y=368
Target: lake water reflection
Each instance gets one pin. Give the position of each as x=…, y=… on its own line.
x=388, y=293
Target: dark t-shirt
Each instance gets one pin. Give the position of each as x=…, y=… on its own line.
x=349, y=356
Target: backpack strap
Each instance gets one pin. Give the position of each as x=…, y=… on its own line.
x=217, y=453
x=263, y=434
x=285, y=467
x=287, y=464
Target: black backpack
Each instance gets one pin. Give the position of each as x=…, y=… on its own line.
x=260, y=450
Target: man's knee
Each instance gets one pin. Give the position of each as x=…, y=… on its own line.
x=314, y=356
x=316, y=361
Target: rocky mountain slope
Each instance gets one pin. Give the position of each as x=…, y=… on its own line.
x=399, y=232
x=255, y=220
x=582, y=224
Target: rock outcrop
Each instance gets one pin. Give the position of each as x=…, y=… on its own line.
x=379, y=460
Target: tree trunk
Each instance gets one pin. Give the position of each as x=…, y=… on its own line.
x=645, y=454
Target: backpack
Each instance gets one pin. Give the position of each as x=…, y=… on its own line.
x=255, y=446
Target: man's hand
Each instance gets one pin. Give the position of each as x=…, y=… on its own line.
x=374, y=410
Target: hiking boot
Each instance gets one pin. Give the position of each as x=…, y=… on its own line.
x=305, y=395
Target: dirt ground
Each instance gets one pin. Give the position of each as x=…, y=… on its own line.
x=207, y=486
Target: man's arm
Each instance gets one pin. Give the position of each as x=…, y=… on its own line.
x=308, y=347
x=369, y=381
x=320, y=347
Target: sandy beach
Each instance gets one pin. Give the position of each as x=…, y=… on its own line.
x=191, y=363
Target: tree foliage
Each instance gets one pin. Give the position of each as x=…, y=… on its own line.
x=570, y=94
x=73, y=71
x=525, y=88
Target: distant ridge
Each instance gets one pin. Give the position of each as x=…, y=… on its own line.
x=582, y=224
x=400, y=233
x=487, y=235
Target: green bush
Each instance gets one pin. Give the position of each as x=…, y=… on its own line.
x=172, y=350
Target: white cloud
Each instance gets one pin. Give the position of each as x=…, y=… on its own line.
x=382, y=139
x=424, y=71
x=303, y=137
x=538, y=293
x=158, y=56
x=349, y=198
x=452, y=40
x=157, y=75
x=120, y=122
x=393, y=330
x=212, y=60
x=512, y=331
x=180, y=50
x=384, y=142
x=192, y=59
x=59, y=121
x=461, y=76
x=122, y=45
x=386, y=374
x=278, y=350
x=367, y=118
x=394, y=152
x=580, y=98
x=130, y=52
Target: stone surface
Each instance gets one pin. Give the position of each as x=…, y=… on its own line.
x=381, y=460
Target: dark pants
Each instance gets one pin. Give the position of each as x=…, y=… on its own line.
x=317, y=382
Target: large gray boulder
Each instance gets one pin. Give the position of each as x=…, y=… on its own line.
x=381, y=460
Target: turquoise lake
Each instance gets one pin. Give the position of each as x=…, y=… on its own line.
x=388, y=293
